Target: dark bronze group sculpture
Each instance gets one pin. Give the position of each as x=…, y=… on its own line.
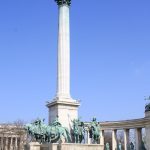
x=43, y=133
x=55, y=132
x=61, y=2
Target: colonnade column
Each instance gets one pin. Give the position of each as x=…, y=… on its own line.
x=102, y=137
x=114, y=139
x=138, y=133
x=2, y=146
x=126, y=139
x=6, y=145
x=16, y=143
x=11, y=143
x=88, y=137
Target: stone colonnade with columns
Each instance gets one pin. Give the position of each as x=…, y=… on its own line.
x=11, y=137
x=125, y=126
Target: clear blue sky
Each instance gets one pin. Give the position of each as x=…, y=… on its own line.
x=110, y=58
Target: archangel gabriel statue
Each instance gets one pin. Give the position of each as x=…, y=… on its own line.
x=62, y=2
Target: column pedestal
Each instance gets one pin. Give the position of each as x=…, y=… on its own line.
x=65, y=110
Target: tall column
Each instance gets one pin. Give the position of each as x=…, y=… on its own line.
x=63, y=105
x=63, y=74
x=102, y=137
x=138, y=136
x=126, y=139
x=114, y=139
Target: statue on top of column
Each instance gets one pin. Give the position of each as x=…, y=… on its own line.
x=62, y=2
x=147, y=106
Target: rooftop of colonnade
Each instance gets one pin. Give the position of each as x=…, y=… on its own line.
x=9, y=129
x=124, y=124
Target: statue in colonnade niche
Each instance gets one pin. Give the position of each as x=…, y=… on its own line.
x=147, y=106
x=78, y=130
x=107, y=147
x=119, y=146
x=131, y=146
x=94, y=130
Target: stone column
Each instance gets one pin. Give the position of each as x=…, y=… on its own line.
x=2, y=145
x=16, y=143
x=63, y=105
x=147, y=130
x=88, y=137
x=114, y=139
x=6, y=146
x=138, y=133
x=126, y=139
x=11, y=143
x=63, y=74
x=102, y=137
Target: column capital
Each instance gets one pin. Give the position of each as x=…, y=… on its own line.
x=63, y=2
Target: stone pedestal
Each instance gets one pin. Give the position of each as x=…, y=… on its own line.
x=64, y=146
x=66, y=110
x=80, y=147
x=32, y=146
x=147, y=131
x=53, y=146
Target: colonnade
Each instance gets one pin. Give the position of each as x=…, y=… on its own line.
x=126, y=126
x=138, y=138
x=9, y=142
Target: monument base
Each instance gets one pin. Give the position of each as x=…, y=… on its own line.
x=64, y=146
x=65, y=109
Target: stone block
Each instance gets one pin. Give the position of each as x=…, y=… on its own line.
x=32, y=146
x=67, y=146
x=53, y=146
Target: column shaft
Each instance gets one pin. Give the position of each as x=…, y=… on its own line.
x=11, y=143
x=114, y=139
x=88, y=137
x=63, y=76
x=2, y=145
x=102, y=137
x=138, y=133
x=126, y=139
x=16, y=143
x=6, y=146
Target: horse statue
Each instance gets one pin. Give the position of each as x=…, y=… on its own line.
x=78, y=130
x=94, y=130
x=52, y=133
x=37, y=130
x=57, y=133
